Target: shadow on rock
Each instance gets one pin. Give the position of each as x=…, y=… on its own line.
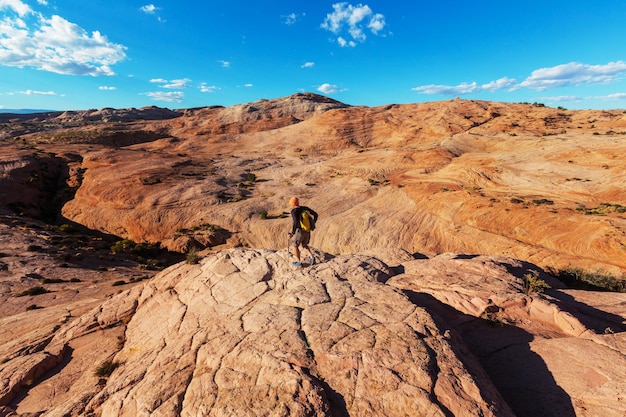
x=597, y=320
x=503, y=350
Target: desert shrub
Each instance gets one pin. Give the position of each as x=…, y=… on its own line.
x=106, y=368
x=264, y=214
x=33, y=291
x=251, y=177
x=591, y=280
x=543, y=201
x=533, y=284
x=52, y=281
x=516, y=201
x=67, y=228
x=118, y=283
x=122, y=246
x=192, y=256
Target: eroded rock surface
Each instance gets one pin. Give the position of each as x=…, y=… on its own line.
x=245, y=333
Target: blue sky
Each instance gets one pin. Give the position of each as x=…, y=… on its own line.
x=82, y=54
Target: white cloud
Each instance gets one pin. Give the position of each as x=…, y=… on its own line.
x=170, y=97
x=329, y=89
x=560, y=99
x=43, y=2
x=149, y=9
x=308, y=64
x=500, y=84
x=38, y=93
x=172, y=84
x=574, y=74
x=107, y=88
x=17, y=6
x=448, y=90
x=225, y=64
x=175, y=84
x=248, y=85
x=292, y=18
x=616, y=96
x=354, y=20
x=204, y=88
x=28, y=39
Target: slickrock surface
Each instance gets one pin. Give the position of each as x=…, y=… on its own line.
x=526, y=181
x=245, y=333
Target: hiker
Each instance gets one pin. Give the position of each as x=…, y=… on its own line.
x=300, y=234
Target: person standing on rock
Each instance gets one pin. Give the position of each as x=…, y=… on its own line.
x=303, y=219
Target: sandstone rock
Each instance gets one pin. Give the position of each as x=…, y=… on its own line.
x=243, y=333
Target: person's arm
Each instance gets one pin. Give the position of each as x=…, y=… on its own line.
x=295, y=221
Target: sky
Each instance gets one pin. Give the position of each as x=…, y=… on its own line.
x=91, y=54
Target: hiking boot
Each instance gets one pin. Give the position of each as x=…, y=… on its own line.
x=297, y=263
x=312, y=260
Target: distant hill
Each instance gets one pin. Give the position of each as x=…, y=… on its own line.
x=25, y=111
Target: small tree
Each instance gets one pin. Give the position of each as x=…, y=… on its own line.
x=533, y=284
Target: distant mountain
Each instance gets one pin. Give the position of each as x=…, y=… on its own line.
x=25, y=111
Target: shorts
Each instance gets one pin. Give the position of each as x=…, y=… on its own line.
x=301, y=238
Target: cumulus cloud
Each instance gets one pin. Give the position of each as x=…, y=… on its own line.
x=107, y=88
x=17, y=6
x=329, y=89
x=225, y=64
x=170, y=97
x=565, y=75
x=353, y=21
x=308, y=65
x=574, y=74
x=29, y=39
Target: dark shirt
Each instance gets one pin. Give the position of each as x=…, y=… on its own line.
x=296, y=213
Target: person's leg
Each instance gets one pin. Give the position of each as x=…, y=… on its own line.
x=306, y=249
x=296, y=242
x=306, y=238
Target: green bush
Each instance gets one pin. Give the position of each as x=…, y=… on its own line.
x=591, y=280
x=192, y=256
x=533, y=284
x=106, y=368
x=123, y=246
